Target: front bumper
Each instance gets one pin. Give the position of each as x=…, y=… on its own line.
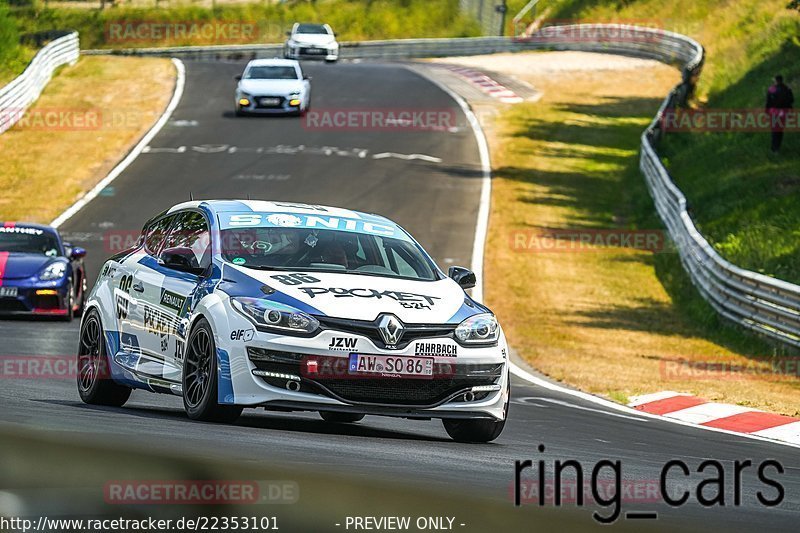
x=284, y=107
x=35, y=297
x=311, y=52
x=286, y=372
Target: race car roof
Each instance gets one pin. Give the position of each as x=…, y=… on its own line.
x=275, y=61
x=263, y=206
x=43, y=227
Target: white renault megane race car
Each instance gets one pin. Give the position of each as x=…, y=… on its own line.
x=235, y=304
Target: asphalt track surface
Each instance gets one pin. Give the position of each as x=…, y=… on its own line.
x=438, y=203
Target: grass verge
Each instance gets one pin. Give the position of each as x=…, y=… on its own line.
x=87, y=118
x=598, y=317
x=742, y=198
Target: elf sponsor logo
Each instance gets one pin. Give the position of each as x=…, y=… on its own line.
x=172, y=300
x=343, y=343
x=242, y=335
x=436, y=348
x=406, y=299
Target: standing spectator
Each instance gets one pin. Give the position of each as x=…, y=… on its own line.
x=779, y=100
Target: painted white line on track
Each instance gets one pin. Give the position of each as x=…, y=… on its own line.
x=486, y=184
x=409, y=157
x=477, y=293
x=180, y=82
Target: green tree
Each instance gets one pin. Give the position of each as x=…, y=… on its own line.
x=9, y=36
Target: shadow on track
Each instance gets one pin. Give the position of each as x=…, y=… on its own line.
x=282, y=422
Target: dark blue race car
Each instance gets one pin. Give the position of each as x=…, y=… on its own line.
x=39, y=273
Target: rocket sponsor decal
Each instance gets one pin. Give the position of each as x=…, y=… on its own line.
x=408, y=300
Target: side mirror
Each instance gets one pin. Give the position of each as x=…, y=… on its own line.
x=238, y=77
x=77, y=253
x=289, y=33
x=463, y=276
x=307, y=78
x=181, y=259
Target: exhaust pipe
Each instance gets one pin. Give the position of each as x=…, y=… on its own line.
x=293, y=386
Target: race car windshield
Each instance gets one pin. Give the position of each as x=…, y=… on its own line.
x=271, y=73
x=28, y=241
x=303, y=249
x=316, y=29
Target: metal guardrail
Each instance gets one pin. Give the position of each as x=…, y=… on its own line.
x=20, y=93
x=766, y=305
x=488, y=14
x=389, y=49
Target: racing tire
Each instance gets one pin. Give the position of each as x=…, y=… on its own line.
x=473, y=430
x=70, y=305
x=95, y=386
x=461, y=430
x=340, y=418
x=82, y=302
x=200, y=378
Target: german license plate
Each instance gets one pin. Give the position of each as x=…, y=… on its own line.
x=270, y=101
x=400, y=366
x=8, y=292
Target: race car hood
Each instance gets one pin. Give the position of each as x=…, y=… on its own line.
x=271, y=87
x=14, y=265
x=313, y=39
x=360, y=297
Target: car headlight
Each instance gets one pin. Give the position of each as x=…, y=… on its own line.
x=53, y=271
x=275, y=315
x=478, y=329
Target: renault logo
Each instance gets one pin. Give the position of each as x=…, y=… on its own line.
x=391, y=329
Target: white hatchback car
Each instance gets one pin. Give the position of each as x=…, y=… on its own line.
x=238, y=303
x=272, y=86
x=311, y=41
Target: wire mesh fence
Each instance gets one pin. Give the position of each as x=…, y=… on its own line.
x=490, y=14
